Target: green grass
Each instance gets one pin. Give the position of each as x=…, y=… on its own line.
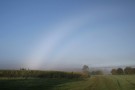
x=110, y=82
x=103, y=82
x=31, y=84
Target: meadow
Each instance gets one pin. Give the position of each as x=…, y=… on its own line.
x=101, y=82
x=95, y=82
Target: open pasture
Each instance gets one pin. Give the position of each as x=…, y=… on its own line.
x=99, y=82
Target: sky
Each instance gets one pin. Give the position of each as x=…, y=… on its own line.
x=50, y=34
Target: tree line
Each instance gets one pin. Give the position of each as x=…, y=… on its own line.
x=126, y=71
x=87, y=71
x=23, y=73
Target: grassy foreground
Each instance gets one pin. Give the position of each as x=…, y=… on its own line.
x=110, y=82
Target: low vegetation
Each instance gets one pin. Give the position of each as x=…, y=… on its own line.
x=23, y=79
x=40, y=74
x=96, y=82
x=101, y=82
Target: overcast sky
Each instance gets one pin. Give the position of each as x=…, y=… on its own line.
x=49, y=34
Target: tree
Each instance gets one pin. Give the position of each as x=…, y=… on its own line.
x=133, y=70
x=128, y=70
x=114, y=71
x=85, y=70
x=120, y=71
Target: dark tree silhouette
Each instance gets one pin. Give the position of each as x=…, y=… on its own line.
x=114, y=71
x=120, y=71
x=133, y=70
x=129, y=70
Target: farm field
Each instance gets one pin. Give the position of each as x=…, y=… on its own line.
x=99, y=82
x=110, y=82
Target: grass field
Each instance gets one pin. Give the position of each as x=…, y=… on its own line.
x=103, y=82
x=110, y=82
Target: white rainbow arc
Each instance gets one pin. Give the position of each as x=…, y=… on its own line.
x=47, y=44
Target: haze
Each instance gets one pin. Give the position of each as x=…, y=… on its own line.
x=50, y=34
